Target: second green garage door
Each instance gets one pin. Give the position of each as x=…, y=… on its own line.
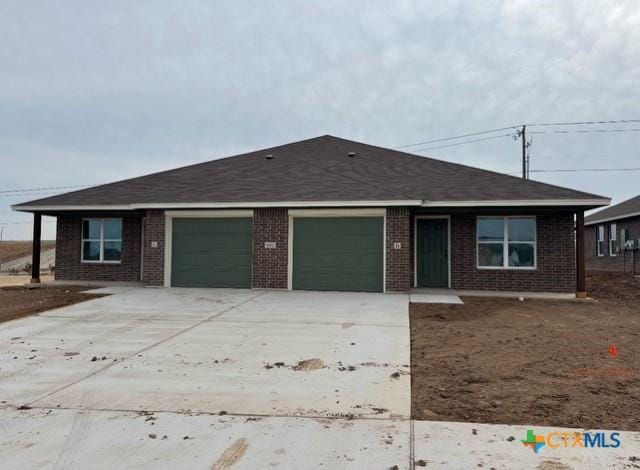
x=211, y=252
x=338, y=253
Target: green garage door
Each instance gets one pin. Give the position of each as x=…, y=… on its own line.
x=338, y=253
x=211, y=252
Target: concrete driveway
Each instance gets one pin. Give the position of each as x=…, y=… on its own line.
x=208, y=379
x=220, y=379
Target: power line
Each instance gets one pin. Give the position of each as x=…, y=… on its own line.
x=35, y=193
x=577, y=170
x=515, y=126
x=25, y=223
x=53, y=188
x=455, y=137
x=584, y=131
x=619, y=121
x=465, y=142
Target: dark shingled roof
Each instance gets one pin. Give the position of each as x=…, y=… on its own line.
x=628, y=208
x=313, y=170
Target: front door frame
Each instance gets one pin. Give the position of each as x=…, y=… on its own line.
x=415, y=246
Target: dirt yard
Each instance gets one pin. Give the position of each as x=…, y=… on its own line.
x=539, y=362
x=16, y=302
x=10, y=250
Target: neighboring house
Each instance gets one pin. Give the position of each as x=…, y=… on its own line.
x=613, y=237
x=323, y=214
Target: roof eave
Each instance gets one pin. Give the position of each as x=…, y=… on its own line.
x=352, y=203
x=214, y=205
x=609, y=219
x=522, y=202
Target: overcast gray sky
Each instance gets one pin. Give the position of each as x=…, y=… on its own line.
x=91, y=92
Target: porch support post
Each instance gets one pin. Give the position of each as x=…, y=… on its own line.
x=581, y=290
x=35, y=259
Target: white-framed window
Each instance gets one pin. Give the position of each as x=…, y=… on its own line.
x=101, y=240
x=613, y=240
x=600, y=241
x=506, y=242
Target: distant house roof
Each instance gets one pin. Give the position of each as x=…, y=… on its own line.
x=628, y=208
x=324, y=170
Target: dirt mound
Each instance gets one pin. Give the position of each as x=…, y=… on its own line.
x=309, y=364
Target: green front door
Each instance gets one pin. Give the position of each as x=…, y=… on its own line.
x=432, y=253
x=211, y=252
x=338, y=253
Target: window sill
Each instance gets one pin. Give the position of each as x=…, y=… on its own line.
x=100, y=262
x=502, y=268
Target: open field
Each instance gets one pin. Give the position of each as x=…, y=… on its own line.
x=10, y=250
x=538, y=362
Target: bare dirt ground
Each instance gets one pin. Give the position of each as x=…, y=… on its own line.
x=10, y=250
x=16, y=302
x=538, y=362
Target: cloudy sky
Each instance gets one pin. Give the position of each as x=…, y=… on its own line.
x=91, y=92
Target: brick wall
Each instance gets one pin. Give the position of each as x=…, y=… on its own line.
x=68, y=252
x=270, y=264
x=398, y=262
x=556, y=263
x=555, y=252
x=153, y=259
x=623, y=261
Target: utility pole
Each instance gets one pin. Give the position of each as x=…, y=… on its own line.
x=523, y=136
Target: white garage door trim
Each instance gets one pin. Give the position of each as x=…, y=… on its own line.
x=337, y=213
x=168, y=230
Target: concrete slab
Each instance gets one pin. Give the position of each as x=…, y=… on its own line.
x=326, y=307
x=180, y=350
x=39, y=355
x=231, y=366
x=468, y=445
x=164, y=304
x=434, y=299
x=493, y=293
x=108, y=440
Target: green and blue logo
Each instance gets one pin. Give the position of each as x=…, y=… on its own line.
x=584, y=440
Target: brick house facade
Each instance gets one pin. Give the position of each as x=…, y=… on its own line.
x=69, y=266
x=623, y=259
x=143, y=252
x=362, y=203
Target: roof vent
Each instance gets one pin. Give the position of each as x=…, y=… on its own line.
x=269, y=157
x=351, y=154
